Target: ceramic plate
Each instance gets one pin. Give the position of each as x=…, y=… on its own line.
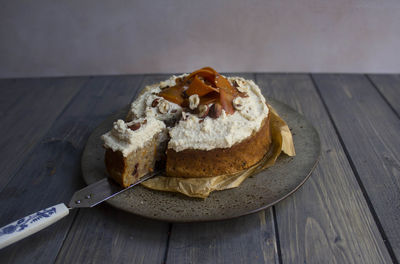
x=256, y=193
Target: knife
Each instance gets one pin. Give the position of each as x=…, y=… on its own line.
x=89, y=196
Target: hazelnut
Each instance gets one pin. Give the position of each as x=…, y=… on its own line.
x=184, y=116
x=240, y=86
x=243, y=95
x=134, y=126
x=215, y=110
x=154, y=103
x=163, y=107
x=194, y=101
x=238, y=103
x=203, y=110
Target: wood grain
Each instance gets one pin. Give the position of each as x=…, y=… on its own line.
x=25, y=117
x=107, y=235
x=327, y=220
x=389, y=87
x=52, y=172
x=370, y=131
x=248, y=239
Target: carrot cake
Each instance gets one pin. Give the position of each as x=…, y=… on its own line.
x=200, y=124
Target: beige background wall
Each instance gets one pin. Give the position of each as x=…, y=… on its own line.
x=78, y=37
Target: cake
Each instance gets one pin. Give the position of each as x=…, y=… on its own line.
x=200, y=124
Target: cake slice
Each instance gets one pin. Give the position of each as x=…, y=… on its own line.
x=133, y=148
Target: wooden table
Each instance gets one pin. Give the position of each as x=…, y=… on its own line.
x=347, y=212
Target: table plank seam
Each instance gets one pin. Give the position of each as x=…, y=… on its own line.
x=28, y=155
x=167, y=244
x=79, y=210
x=66, y=235
x=358, y=179
x=278, y=245
x=274, y=219
x=382, y=95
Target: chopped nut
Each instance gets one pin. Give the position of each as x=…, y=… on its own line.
x=155, y=102
x=203, y=110
x=163, y=107
x=134, y=126
x=194, y=101
x=243, y=95
x=238, y=103
x=240, y=86
x=215, y=110
x=144, y=122
x=184, y=116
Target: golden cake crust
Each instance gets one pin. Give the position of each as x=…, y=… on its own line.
x=191, y=163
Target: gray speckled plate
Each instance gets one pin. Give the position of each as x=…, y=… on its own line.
x=255, y=193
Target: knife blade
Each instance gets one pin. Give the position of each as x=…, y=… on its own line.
x=89, y=196
x=101, y=191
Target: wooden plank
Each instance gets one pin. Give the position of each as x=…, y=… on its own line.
x=370, y=131
x=389, y=86
x=248, y=239
x=108, y=235
x=328, y=219
x=25, y=117
x=52, y=173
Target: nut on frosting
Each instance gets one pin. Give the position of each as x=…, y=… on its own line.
x=122, y=138
x=194, y=101
x=163, y=107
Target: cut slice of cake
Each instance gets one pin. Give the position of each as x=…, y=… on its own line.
x=132, y=149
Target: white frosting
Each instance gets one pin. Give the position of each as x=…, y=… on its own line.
x=224, y=131
x=122, y=138
x=143, y=105
x=191, y=132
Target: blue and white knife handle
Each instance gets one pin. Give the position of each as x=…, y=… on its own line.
x=31, y=224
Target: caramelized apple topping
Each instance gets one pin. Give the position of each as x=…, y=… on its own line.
x=209, y=85
x=173, y=94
